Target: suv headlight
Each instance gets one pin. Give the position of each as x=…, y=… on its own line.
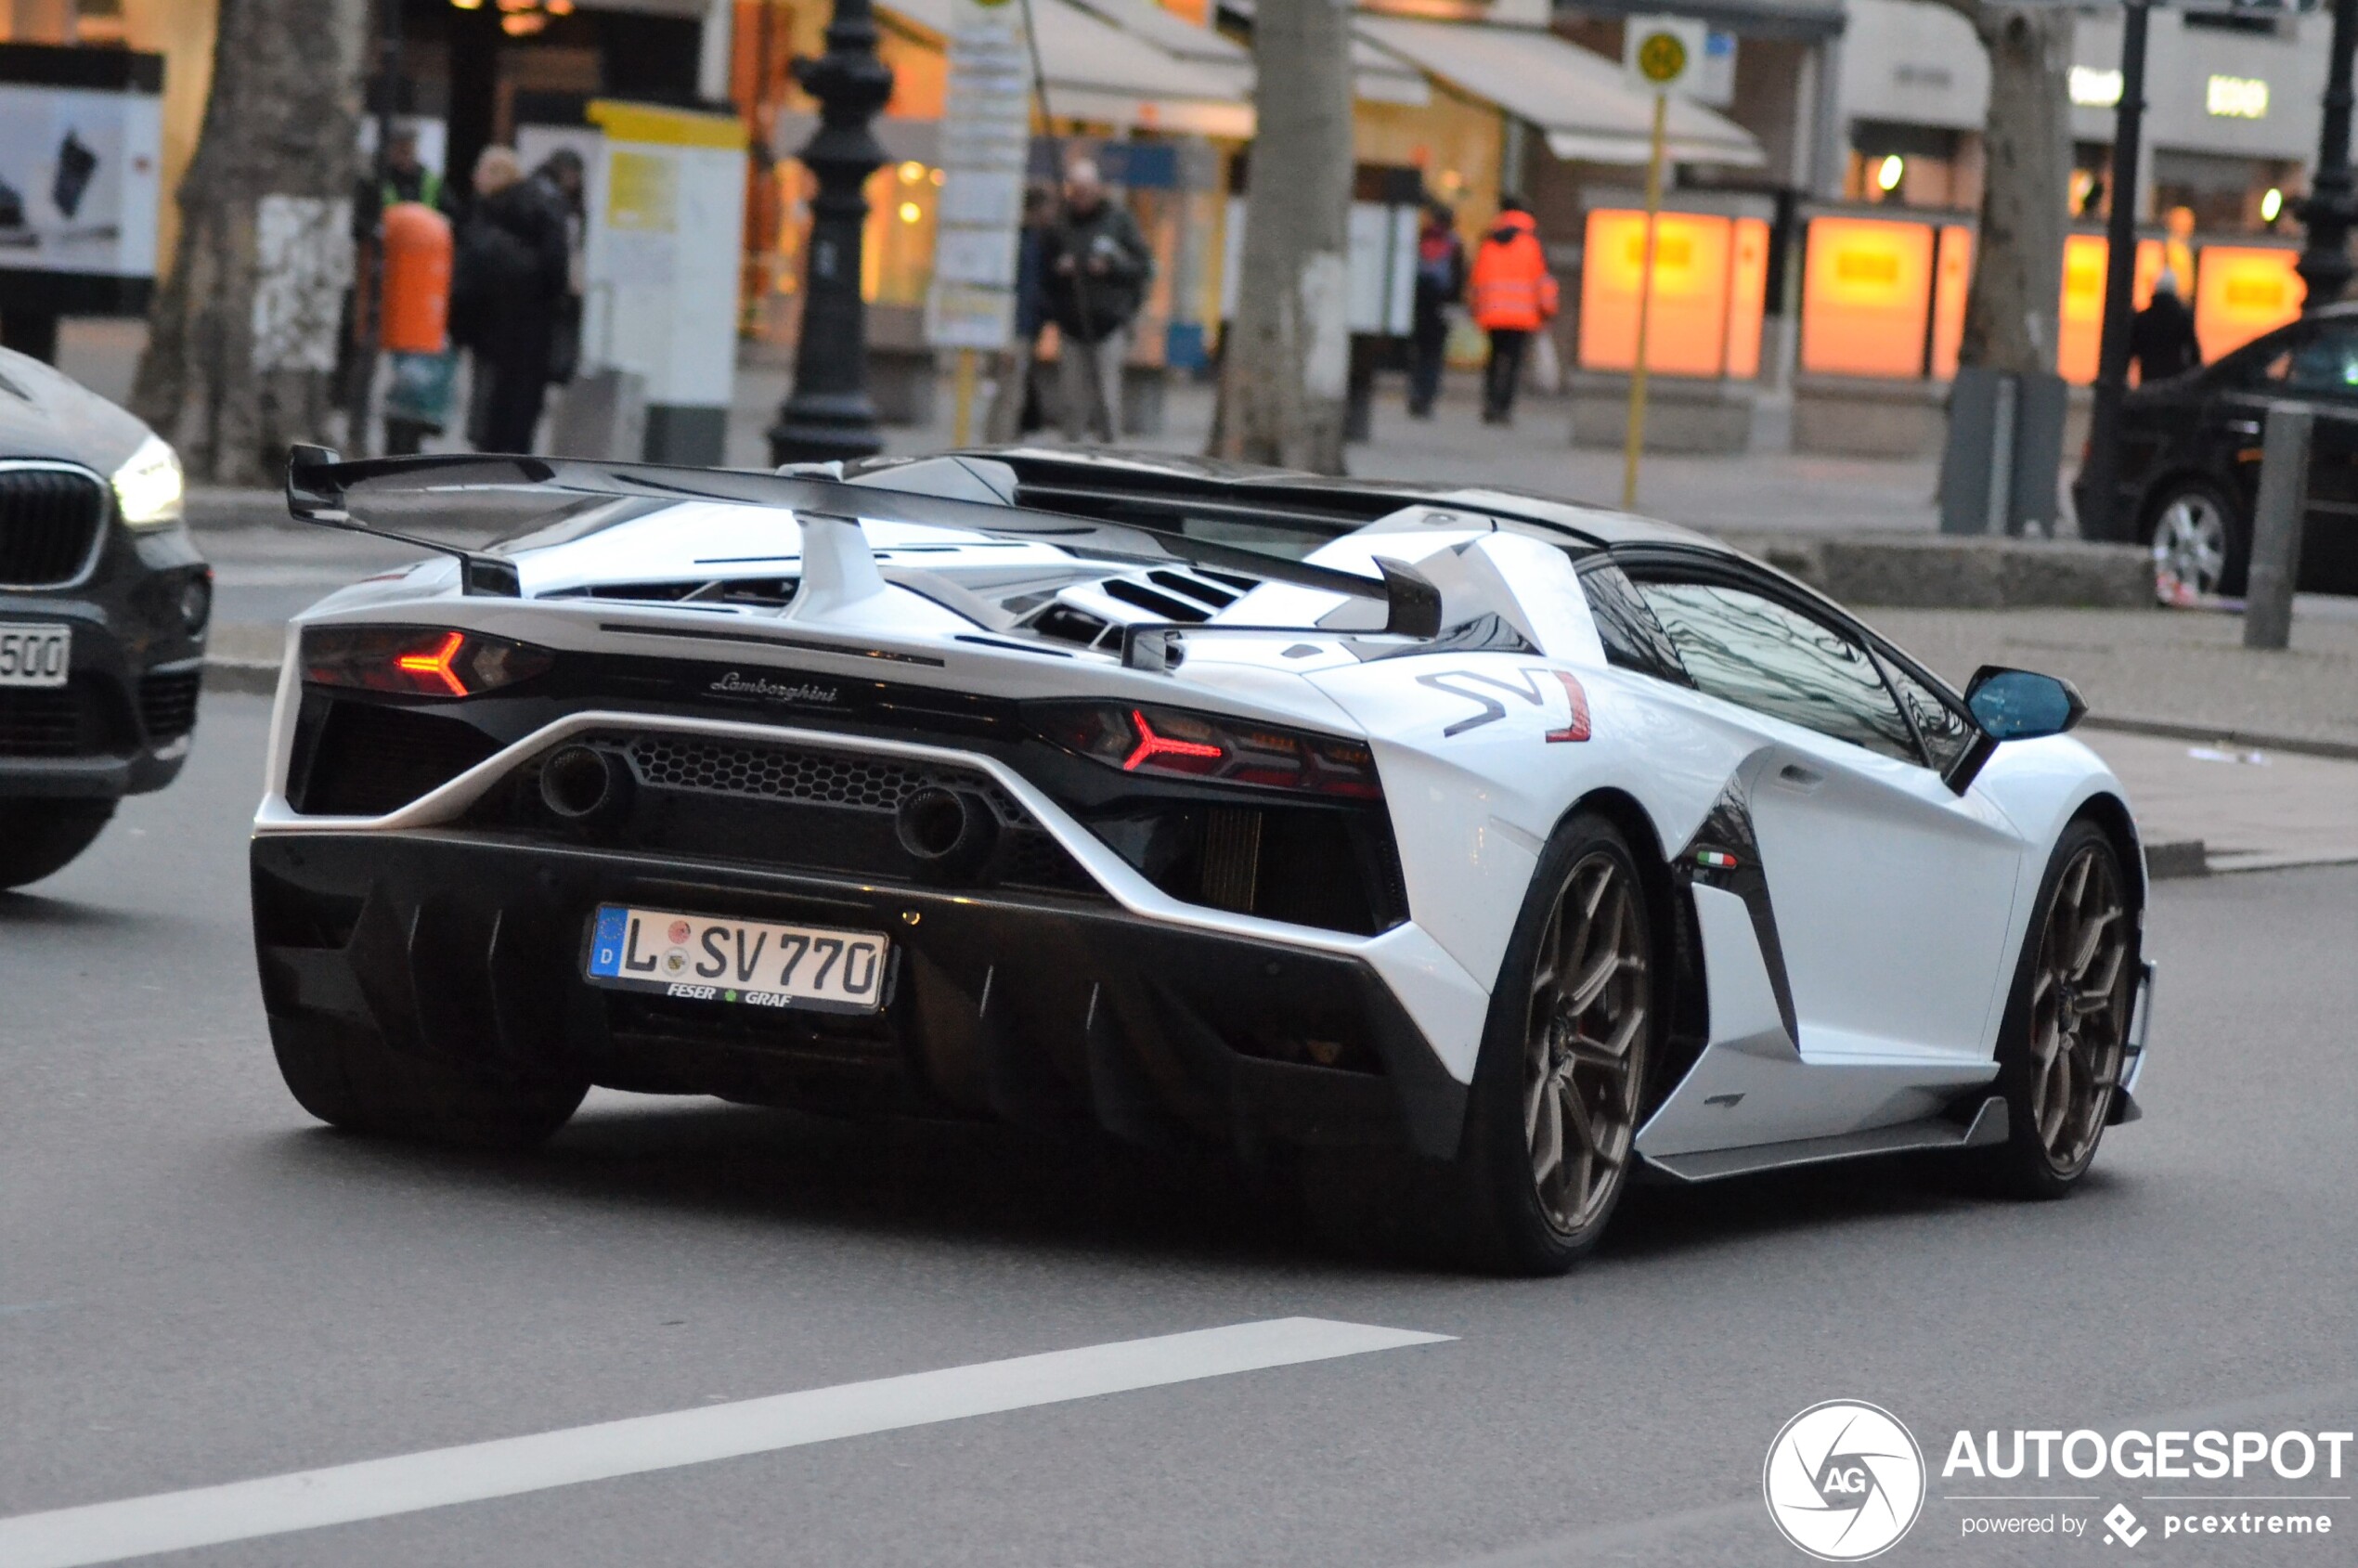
x=149, y=488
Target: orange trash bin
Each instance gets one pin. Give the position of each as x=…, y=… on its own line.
x=417, y=251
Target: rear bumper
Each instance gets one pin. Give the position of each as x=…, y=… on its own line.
x=1035, y=1010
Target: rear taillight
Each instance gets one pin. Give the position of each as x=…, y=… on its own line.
x=1139, y=739
x=417, y=661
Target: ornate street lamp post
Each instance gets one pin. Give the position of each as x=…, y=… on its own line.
x=2330, y=208
x=2098, y=492
x=828, y=415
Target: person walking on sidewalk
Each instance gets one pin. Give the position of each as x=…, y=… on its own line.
x=1097, y=267
x=1513, y=295
x=510, y=279
x=2161, y=339
x=1441, y=282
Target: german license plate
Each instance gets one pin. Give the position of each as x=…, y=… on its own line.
x=35, y=655
x=751, y=962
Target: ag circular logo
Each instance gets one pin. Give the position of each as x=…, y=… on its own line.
x=1844, y=1481
x=1662, y=57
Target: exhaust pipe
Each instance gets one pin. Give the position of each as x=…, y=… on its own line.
x=950, y=833
x=584, y=785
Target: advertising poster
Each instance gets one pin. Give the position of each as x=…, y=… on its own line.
x=80, y=176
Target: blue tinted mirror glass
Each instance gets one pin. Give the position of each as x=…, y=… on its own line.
x=2015, y=705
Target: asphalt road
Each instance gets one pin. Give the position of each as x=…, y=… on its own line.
x=199, y=1286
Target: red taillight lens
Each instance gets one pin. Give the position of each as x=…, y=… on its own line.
x=418, y=661
x=1138, y=739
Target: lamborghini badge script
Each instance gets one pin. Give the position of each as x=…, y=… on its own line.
x=1844, y=1481
x=735, y=685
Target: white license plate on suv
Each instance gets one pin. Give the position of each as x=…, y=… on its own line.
x=35, y=655
x=752, y=963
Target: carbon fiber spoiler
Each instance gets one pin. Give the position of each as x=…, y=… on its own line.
x=320, y=486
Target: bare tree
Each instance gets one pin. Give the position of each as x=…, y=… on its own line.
x=2017, y=277
x=241, y=341
x=1288, y=358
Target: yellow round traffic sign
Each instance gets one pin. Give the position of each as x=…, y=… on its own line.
x=1661, y=57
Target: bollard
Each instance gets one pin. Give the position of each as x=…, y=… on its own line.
x=2276, y=525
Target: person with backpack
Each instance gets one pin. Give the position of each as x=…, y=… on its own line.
x=1514, y=296
x=507, y=290
x=1441, y=282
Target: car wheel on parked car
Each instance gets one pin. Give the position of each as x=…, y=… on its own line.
x=2200, y=547
x=38, y=837
x=2065, y=1039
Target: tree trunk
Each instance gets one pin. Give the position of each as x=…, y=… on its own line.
x=2017, y=276
x=1288, y=358
x=242, y=339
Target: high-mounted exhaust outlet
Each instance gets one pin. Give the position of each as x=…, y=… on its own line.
x=585, y=785
x=950, y=833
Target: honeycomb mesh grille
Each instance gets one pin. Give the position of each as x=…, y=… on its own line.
x=777, y=772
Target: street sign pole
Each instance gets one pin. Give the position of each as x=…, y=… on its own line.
x=1635, y=444
x=1658, y=53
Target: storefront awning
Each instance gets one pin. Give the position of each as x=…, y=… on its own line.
x=1745, y=18
x=1377, y=76
x=1577, y=97
x=1100, y=72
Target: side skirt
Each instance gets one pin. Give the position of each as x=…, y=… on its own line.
x=1988, y=1126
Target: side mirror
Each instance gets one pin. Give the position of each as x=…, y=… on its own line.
x=2018, y=704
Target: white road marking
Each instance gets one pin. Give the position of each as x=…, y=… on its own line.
x=376, y=1488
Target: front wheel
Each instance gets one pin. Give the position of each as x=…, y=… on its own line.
x=1561, y=1081
x=38, y=837
x=2065, y=1038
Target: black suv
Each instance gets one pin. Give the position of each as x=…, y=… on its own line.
x=103, y=606
x=2190, y=460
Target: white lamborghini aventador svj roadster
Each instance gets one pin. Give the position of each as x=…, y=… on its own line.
x=1541, y=845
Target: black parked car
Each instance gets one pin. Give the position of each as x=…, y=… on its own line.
x=2190, y=460
x=103, y=606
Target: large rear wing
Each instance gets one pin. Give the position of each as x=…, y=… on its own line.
x=325, y=490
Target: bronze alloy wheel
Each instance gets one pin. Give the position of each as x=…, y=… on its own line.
x=1584, y=1044
x=2079, y=1010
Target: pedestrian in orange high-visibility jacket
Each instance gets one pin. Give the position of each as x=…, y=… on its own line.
x=1513, y=295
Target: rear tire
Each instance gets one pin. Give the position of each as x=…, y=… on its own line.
x=39, y=838
x=1559, y=1085
x=2063, y=1043
x=347, y=1077
x=2200, y=543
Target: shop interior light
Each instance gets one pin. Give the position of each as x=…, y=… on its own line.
x=522, y=25
x=1889, y=173
x=468, y=5
x=912, y=171
x=2272, y=205
x=911, y=212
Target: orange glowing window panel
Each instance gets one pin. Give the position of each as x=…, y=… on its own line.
x=1949, y=287
x=1866, y=284
x=2241, y=291
x=1708, y=276
x=2080, y=334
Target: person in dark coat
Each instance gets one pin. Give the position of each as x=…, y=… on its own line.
x=2161, y=339
x=1096, y=265
x=1441, y=282
x=1015, y=410
x=507, y=290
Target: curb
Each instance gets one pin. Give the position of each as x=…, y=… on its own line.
x=2172, y=729
x=248, y=676
x=1959, y=572
x=2185, y=857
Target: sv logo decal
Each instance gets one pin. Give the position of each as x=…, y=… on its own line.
x=1532, y=688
